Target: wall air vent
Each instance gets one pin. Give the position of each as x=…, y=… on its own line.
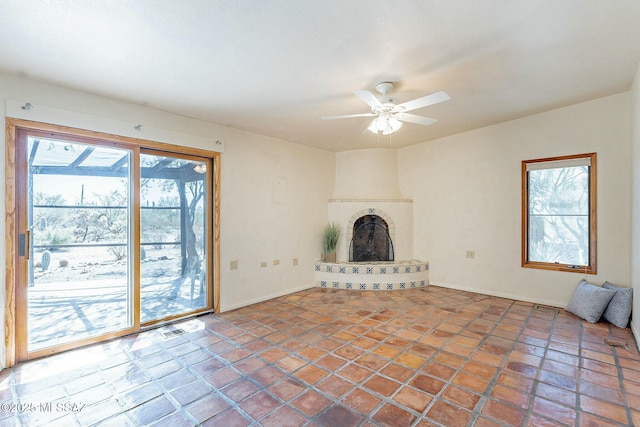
x=173, y=333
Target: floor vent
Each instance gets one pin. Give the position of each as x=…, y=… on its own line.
x=615, y=343
x=173, y=333
x=545, y=308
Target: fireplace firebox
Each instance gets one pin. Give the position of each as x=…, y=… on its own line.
x=371, y=240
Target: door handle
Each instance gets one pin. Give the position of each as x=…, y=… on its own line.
x=24, y=243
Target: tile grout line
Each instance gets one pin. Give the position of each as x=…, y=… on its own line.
x=625, y=399
x=539, y=369
x=486, y=394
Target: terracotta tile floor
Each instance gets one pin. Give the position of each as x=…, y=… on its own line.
x=418, y=357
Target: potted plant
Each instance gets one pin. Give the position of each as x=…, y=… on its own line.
x=330, y=241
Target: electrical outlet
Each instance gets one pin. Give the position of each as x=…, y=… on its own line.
x=295, y=261
x=233, y=265
x=471, y=254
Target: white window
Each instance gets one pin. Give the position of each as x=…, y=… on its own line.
x=559, y=213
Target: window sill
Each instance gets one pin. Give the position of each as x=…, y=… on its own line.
x=582, y=269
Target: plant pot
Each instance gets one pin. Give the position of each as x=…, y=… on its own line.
x=330, y=257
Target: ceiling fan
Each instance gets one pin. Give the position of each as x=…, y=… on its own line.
x=388, y=115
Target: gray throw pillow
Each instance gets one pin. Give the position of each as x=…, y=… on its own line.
x=619, y=308
x=589, y=301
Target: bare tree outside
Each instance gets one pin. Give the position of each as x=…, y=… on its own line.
x=559, y=215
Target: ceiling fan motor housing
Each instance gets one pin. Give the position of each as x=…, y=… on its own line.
x=384, y=88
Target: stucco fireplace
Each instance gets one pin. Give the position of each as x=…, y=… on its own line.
x=375, y=250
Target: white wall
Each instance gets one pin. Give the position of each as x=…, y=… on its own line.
x=635, y=203
x=274, y=207
x=367, y=174
x=466, y=191
x=274, y=193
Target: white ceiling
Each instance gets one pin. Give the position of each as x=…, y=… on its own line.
x=275, y=67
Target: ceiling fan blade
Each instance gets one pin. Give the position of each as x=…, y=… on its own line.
x=347, y=116
x=425, y=101
x=368, y=97
x=412, y=118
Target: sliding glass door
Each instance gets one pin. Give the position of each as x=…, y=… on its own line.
x=77, y=283
x=173, y=222
x=111, y=238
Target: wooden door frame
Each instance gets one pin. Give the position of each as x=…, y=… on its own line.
x=11, y=203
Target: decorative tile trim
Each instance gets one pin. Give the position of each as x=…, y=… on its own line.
x=386, y=268
x=372, y=286
x=366, y=277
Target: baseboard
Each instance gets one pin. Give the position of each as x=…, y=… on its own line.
x=498, y=294
x=265, y=298
x=636, y=335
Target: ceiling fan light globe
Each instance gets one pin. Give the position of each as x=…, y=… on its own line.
x=379, y=124
x=373, y=126
x=384, y=124
x=395, y=123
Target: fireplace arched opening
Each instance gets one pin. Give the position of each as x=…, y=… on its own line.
x=371, y=240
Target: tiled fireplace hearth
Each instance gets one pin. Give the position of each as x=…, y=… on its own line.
x=381, y=276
